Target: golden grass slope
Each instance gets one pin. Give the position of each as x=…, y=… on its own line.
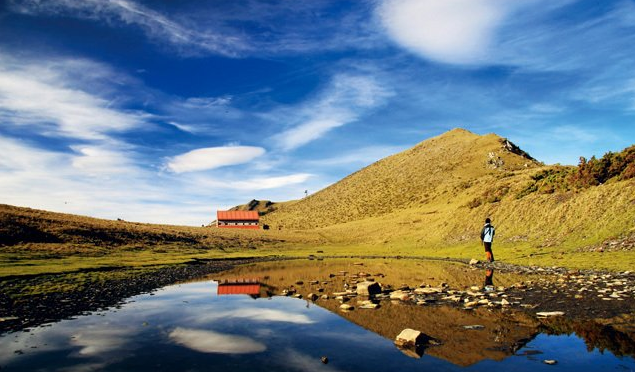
x=431, y=200
x=430, y=171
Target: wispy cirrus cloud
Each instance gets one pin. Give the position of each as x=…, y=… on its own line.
x=156, y=25
x=252, y=183
x=346, y=99
x=219, y=30
x=42, y=95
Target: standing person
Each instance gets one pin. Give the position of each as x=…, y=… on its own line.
x=487, y=236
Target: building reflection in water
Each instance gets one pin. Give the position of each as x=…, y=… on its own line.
x=248, y=286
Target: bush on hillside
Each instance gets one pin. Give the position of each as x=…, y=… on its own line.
x=593, y=172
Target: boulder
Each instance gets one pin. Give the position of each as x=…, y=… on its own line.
x=411, y=338
x=368, y=288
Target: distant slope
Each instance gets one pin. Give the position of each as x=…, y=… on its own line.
x=26, y=227
x=261, y=206
x=415, y=177
x=436, y=195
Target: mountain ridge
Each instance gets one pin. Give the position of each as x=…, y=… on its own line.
x=419, y=174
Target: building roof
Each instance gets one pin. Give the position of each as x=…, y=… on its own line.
x=237, y=215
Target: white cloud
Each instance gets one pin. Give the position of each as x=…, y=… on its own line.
x=213, y=157
x=344, y=101
x=450, y=31
x=313, y=129
x=260, y=315
x=254, y=183
x=41, y=95
x=101, y=160
x=98, y=342
x=212, y=342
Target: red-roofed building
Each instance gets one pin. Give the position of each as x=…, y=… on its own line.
x=237, y=219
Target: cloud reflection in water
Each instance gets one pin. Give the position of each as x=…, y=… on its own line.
x=212, y=342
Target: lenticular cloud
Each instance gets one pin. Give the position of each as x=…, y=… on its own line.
x=213, y=157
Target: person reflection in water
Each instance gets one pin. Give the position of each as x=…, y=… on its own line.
x=487, y=236
x=489, y=280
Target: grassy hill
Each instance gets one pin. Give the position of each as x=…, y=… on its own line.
x=433, y=198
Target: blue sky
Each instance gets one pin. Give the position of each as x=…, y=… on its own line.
x=164, y=111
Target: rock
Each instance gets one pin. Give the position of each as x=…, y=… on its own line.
x=474, y=327
x=346, y=307
x=428, y=290
x=312, y=296
x=474, y=261
x=551, y=362
x=504, y=302
x=297, y=295
x=547, y=314
x=367, y=305
x=368, y=288
x=324, y=360
x=399, y=295
x=325, y=297
x=409, y=338
x=299, y=282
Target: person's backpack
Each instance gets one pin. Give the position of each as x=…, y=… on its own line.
x=488, y=234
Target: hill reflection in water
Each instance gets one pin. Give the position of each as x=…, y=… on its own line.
x=190, y=327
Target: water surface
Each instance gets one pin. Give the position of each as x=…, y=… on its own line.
x=191, y=327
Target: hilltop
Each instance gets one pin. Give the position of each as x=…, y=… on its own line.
x=434, y=197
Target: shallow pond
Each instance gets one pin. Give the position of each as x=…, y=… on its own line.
x=242, y=324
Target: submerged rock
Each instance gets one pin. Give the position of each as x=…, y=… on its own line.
x=548, y=314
